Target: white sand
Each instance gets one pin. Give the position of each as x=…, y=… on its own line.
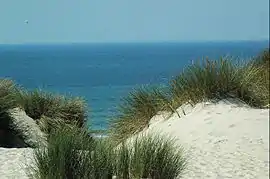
x=223, y=140
x=14, y=162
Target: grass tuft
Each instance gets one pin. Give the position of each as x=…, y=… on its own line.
x=71, y=154
x=221, y=79
x=62, y=158
x=150, y=156
x=263, y=63
x=7, y=89
x=39, y=103
x=136, y=111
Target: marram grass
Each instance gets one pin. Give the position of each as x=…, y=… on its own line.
x=7, y=101
x=39, y=103
x=219, y=79
x=205, y=80
x=136, y=111
x=63, y=157
x=262, y=61
x=71, y=154
x=150, y=156
x=7, y=90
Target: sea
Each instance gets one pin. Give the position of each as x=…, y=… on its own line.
x=104, y=73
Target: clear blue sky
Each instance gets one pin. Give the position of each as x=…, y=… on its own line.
x=61, y=21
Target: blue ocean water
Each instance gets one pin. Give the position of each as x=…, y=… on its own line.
x=103, y=73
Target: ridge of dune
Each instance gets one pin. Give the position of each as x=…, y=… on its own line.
x=222, y=140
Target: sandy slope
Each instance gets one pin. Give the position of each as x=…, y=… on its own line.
x=223, y=140
x=14, y=162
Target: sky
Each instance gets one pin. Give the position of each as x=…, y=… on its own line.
x=110, y=21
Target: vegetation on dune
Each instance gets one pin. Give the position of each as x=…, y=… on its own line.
x=7, y=90
x=71, y=154
x=200, y=80
x=205, y=80
x=219, y=79
x=39, y=103
x=263, y=62
x=150, y=156
x=136, y=111
x=7, y=87
x=45, y=108
x=61, y=159
x=263, y=59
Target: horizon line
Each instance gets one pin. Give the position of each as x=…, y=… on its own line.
x=136, y=42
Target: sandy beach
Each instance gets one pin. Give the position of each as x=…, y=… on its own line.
x=222, y=140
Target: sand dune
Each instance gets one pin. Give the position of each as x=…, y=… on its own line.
x=222, y=140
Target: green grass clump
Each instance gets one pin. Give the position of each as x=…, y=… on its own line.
x=136, y=111
x=262, y=61
x=221, y=79
x=63, y=156
x=7, y=89
x=39, y=103
x=71, y=154
x=150, y=156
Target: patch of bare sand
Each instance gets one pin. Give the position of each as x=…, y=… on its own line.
x=222, y=140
